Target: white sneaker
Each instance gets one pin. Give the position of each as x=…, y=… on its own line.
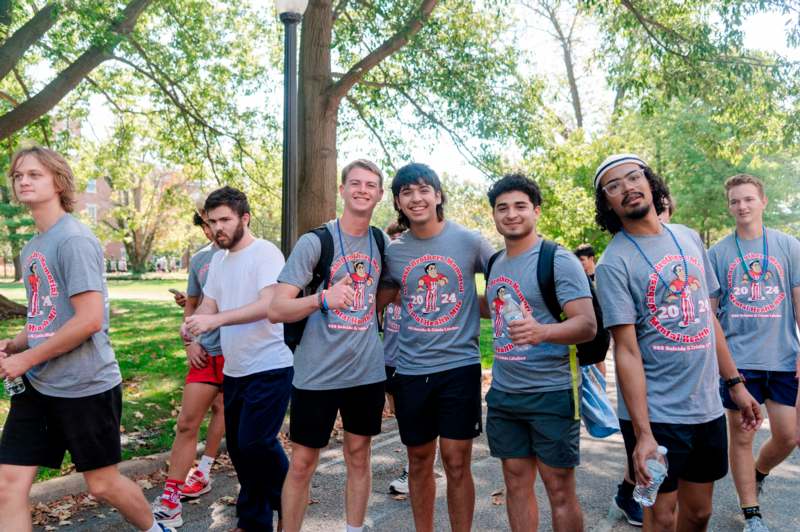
x=754, y=524
x=400, y=484
x=167, y=515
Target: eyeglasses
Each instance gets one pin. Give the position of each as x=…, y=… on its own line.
x=632, y=178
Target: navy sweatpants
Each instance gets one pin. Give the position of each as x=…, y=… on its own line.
x=255, y=406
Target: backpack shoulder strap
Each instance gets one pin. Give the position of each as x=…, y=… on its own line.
x=489, y=265
x=377, y=235
x=321, y=273
x=545, y=275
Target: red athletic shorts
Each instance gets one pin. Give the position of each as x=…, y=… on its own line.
x=211, y=374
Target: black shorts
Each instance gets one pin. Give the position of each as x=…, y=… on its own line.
x=313, y=413
x=695, y=453
x=39, y=428
x=446, y=404
x=390, y=372
x=778, y=386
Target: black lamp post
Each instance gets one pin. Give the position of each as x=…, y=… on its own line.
x=291, y=13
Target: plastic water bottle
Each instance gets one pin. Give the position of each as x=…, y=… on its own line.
x=657, y=466
x=14, y=386
x=511, y=311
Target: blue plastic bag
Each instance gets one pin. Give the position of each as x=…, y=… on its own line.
x=596, y=410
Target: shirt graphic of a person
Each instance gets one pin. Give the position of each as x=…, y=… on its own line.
x=430, y=283
x=498, y=304
x=684, y=284
x=33, y=281
x=754, y=276
x=361, y=280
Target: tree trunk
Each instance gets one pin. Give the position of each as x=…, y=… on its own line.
x=317, y=116
x=10, y=309
x=17, y=267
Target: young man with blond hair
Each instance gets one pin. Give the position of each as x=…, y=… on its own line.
x=758, y=304
x=72, y=398
x=339, y=363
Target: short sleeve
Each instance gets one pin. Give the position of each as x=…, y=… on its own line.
x=384, y=262
x=571, y=281
x=193, y=288
x=81, y=263
x=211, y=288
x=485, y=252
x=269, y=266
x=299, y=269
x=794, y=259
x=711, y=274
x=613, y=293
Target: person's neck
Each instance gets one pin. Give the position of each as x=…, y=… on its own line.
x=428, y=229
x=648, y=225
x=246, y=240
x=46, y=215
x=519, y=246
x=590, y=270
x=750, y=230
x=355, y=224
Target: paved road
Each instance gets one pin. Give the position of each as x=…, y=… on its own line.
x=601, y=469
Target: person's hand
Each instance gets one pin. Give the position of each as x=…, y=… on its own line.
x=198, y=324
x=748, y=407
x=180, y=299
x=527, y=331
x=340, y=295
x=646, y=446
x=7, y=346
x=12, y=367
x=196, y=355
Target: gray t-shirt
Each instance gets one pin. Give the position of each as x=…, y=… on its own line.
x=62, y=262
x=391, y=327
x=441, y=316
x=198, y=274
x=675, y=331
x=756, y=310
x=340, y=348
x=531, y=368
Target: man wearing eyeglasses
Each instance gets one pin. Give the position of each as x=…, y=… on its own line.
x=759, y=309
x=667, y=366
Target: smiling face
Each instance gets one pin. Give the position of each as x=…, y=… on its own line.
x=361, y=191
x=515, y=215
x=633, y=198
x=418, y=202
x=746, y=204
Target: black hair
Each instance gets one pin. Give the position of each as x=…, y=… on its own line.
x=197, y=220
x=359, y=263
x=608, y=220
x=675, y=268
x=427, y=266
x=416, y=174
x=515, y=182
x=584, y=250
x=229, y=197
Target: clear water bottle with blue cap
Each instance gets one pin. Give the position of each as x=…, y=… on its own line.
x=511, y=310
x=14, y=386
x=657, y=466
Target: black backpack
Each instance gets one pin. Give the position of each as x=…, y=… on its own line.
x=590, y=352
x=293, y=332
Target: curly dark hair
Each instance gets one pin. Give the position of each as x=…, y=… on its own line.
x=512, y=183
x=608, y=220
x=229, y=197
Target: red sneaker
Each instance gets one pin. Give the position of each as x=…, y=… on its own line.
x=196, y=484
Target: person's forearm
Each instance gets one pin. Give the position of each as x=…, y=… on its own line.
x=18, y=343
x=73, y=333
x=727, y=367
x=386, y=296
x=190, y=307
x=483, y=304
x=291, y=309
x=632, y=382
x=255, y=311
x=574, y=330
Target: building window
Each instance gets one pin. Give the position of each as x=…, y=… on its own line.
x=91, y=211
x=91, y=186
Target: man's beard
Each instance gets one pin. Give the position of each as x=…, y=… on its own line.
x=638, y=213
x=238, y=234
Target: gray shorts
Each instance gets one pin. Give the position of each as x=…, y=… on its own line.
x=539, y=425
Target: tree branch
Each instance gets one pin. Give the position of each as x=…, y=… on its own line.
x=338, y=90
x=362, y=115
x=70, y=77
x=26, y=92
x=339, y=9
x=15, y=46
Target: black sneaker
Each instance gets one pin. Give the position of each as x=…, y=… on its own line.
x=630, y=508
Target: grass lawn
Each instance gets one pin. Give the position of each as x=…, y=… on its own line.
x=144, y=333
